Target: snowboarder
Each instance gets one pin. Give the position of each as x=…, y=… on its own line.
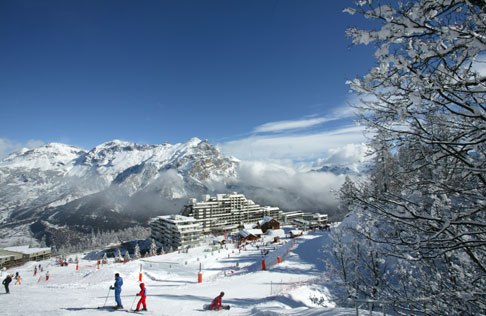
x=217, y=302
x=6, y=282
x=143, y=295
x=117, y=287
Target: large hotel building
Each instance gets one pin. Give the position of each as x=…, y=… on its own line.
x=224, y=212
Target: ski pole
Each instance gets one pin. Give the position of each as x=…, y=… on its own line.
x=107, y=297
x=131, y=307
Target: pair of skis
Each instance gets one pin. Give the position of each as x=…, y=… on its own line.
x=123, y=310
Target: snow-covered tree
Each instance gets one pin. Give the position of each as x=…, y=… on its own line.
x=136, y=251
x=425, y=104
x=153, y=248
x=118, y=257
x=105, y=259
x=126, y=258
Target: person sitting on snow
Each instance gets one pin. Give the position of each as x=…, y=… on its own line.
x=217, y=302
x=143, y=294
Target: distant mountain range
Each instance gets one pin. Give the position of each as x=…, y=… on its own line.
x=115, y=185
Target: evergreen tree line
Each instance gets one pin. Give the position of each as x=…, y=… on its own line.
x=77, y=242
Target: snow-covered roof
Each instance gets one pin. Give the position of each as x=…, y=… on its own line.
x=295, y=232
x=275, y=233
x=246, y=232
x=218, y=238
x=266, y=219
x=26, y=250
x=249, y=226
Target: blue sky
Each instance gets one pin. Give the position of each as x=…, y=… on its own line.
x=262, y=79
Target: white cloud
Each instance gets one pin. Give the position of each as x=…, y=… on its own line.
x=274, y=184
x=7, y=146
x=339, y=113
x=295, y=147
x=285, y=125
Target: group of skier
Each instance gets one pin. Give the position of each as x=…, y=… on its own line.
x=117, y=286
x=216, y=304
x=8, y=279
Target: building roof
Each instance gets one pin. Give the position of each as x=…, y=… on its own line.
x=275, y=233
x=249, y=226
x=247, y=232
x=176, y=218
x=218, y=238
x=266, y=219
x=26, y=250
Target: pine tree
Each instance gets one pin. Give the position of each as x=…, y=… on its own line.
x=136, y=252
x=153, y=248
x=118, y=256
x=105, y=258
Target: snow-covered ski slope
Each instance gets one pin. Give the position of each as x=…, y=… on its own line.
x=172, y=283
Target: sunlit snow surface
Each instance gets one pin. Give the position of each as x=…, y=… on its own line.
x=171, y=281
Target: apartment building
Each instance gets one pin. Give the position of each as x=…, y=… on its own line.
x=175, y=231
x=227, y=212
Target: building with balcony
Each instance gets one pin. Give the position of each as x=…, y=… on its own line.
x=176, y=231
x=227, y=212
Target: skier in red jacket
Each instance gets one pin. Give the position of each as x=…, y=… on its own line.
x=216, y=304
x=143, y=294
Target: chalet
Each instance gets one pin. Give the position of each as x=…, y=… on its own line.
x=268, y=223
x=251, y=234
x=295, y=233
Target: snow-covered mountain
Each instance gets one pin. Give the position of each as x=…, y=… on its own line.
x=59, y=190
x=114, y=185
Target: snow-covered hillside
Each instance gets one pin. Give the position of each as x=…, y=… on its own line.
x=171, y=281
x=115, y=185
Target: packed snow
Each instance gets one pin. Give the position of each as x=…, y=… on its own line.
x=284, y=288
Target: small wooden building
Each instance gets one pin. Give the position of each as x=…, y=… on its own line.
x=251, y=234
x=268, y=223
x=295, y=233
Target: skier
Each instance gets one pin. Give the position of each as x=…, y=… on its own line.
x=217, y=303
x=35, y=270
x=143, y=295
x=47, y=275
x=117, y=287
x=17, y=278
x=7, y=281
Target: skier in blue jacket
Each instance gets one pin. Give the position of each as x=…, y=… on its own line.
x=117, y=287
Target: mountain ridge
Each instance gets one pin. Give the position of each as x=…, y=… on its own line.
x=120, y=184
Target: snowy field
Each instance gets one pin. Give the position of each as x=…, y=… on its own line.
x=172, y=284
